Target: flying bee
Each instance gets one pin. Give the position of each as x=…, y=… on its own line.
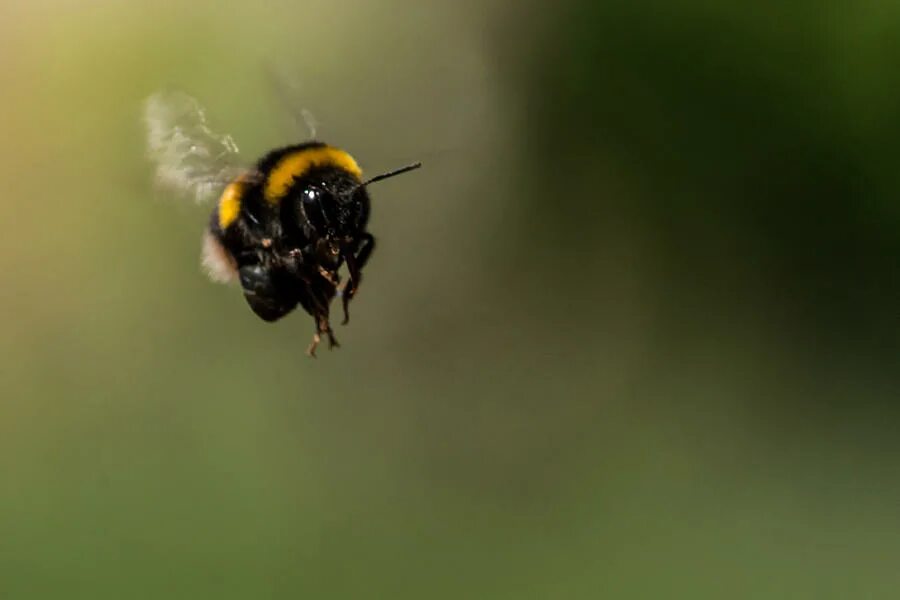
x=282, y=228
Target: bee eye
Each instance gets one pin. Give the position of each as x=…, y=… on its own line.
x=311, y=200
x=311, y=207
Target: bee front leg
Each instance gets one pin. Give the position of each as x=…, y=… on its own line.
x=318, y=297
x=332, y=341
x=311, y=349
x=355, y=263
x=322, y=327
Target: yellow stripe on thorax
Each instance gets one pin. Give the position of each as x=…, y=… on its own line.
x=297, y=163
x=230, y=203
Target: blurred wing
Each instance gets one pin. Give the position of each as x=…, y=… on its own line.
x=288, y=93
x=190, y=158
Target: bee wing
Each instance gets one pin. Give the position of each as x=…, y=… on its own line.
x=190, y=158
x=288, y=92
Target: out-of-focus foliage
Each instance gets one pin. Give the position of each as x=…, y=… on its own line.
x=631, y=332
x=756, y=142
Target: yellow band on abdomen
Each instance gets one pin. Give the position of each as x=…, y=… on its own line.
x=230, y=204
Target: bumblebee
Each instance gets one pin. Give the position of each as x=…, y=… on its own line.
x=284, y=228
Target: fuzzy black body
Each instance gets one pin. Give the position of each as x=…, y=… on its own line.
x=288, y=228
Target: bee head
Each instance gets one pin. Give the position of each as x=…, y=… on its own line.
x=335, y=208
x=334, y=213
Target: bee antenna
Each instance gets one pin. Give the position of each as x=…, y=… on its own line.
x=393, y=173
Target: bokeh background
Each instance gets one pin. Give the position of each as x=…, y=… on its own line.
x=631, y=333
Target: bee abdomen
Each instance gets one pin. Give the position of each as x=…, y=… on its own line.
x=263, y=294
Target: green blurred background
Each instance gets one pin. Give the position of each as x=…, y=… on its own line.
x=632, y=332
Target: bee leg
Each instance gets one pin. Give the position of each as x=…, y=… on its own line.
x=311, y=350
x=346, y=292
x=332, y=341
x=345, y=304
x=330, y=276
x=367, y=244
x=359, y=260
x=325, y=327
x=355, y=263
x=322, y=327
